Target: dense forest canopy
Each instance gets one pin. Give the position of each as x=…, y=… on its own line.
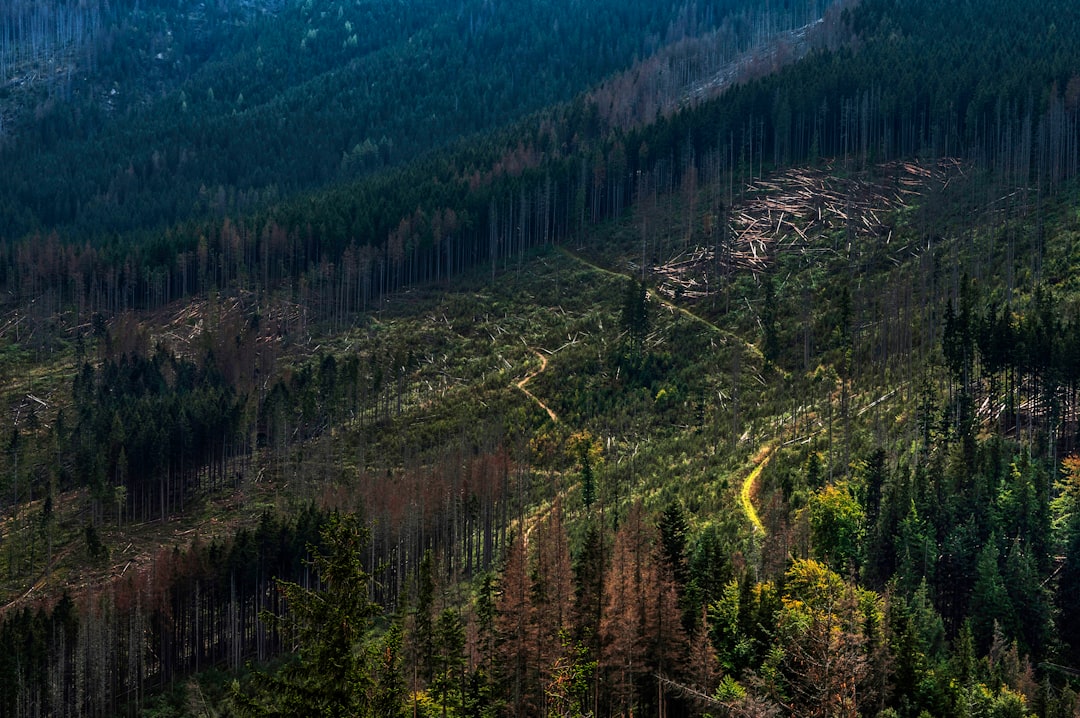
x=161, y=111
x=551, y=358
x=872, y=92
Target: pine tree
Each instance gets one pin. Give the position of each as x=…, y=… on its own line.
x=641, y=629
x=634, y=319
x=425, y=617
x=770, y=325
x=909, y=659
x=512, y=631
x=990, y=604
x=876, y=476
x=551, y=594
x=1029, y=599
x=622, y=626
x=1068, y=589
x=332, y=676
x=589, y=593
x=389, y=689
x=704, y=666
x=673, y=530
x=588, y=481
x=448, y=682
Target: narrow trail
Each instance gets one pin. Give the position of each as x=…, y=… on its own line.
x=670, y=306
x=765, y=452
x=529, y=377
x=543, y=512
x=761, y=460
x=746, y=495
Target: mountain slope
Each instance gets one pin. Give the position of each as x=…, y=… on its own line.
x=181, y=109
x=839, y=298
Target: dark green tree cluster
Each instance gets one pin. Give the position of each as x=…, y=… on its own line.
x=977, y=531
x=154, y=428
x=337, y=672
x=106, y=651
x=34, y=642
x=189, y=111
x=634, y=320
x=1023, y=356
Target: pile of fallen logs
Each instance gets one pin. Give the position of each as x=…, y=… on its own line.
x=794, y=210
x=179, y=327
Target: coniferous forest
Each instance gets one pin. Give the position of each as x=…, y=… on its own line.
x=551, y=358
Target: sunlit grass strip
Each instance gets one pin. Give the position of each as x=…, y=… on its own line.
x=762, y=460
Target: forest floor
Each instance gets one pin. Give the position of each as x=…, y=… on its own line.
x=133, y=546
x=668, y=304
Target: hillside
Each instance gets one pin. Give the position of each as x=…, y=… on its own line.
x=155, y=113
x=743, y=382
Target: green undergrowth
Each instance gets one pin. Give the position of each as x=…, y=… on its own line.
x=676, y=415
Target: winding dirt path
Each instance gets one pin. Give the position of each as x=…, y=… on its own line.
x=747, y=494
x=544, y=511
x=763, y=455
x=529, y=377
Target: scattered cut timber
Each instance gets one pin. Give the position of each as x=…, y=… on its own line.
x=792, y=210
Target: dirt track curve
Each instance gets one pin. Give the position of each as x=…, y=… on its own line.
x=529, y=377
x=747, y=493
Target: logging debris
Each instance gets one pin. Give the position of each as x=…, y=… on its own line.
x=793, y=211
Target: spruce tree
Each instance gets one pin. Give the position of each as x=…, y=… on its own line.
x=332, y=676
x=448, y=683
